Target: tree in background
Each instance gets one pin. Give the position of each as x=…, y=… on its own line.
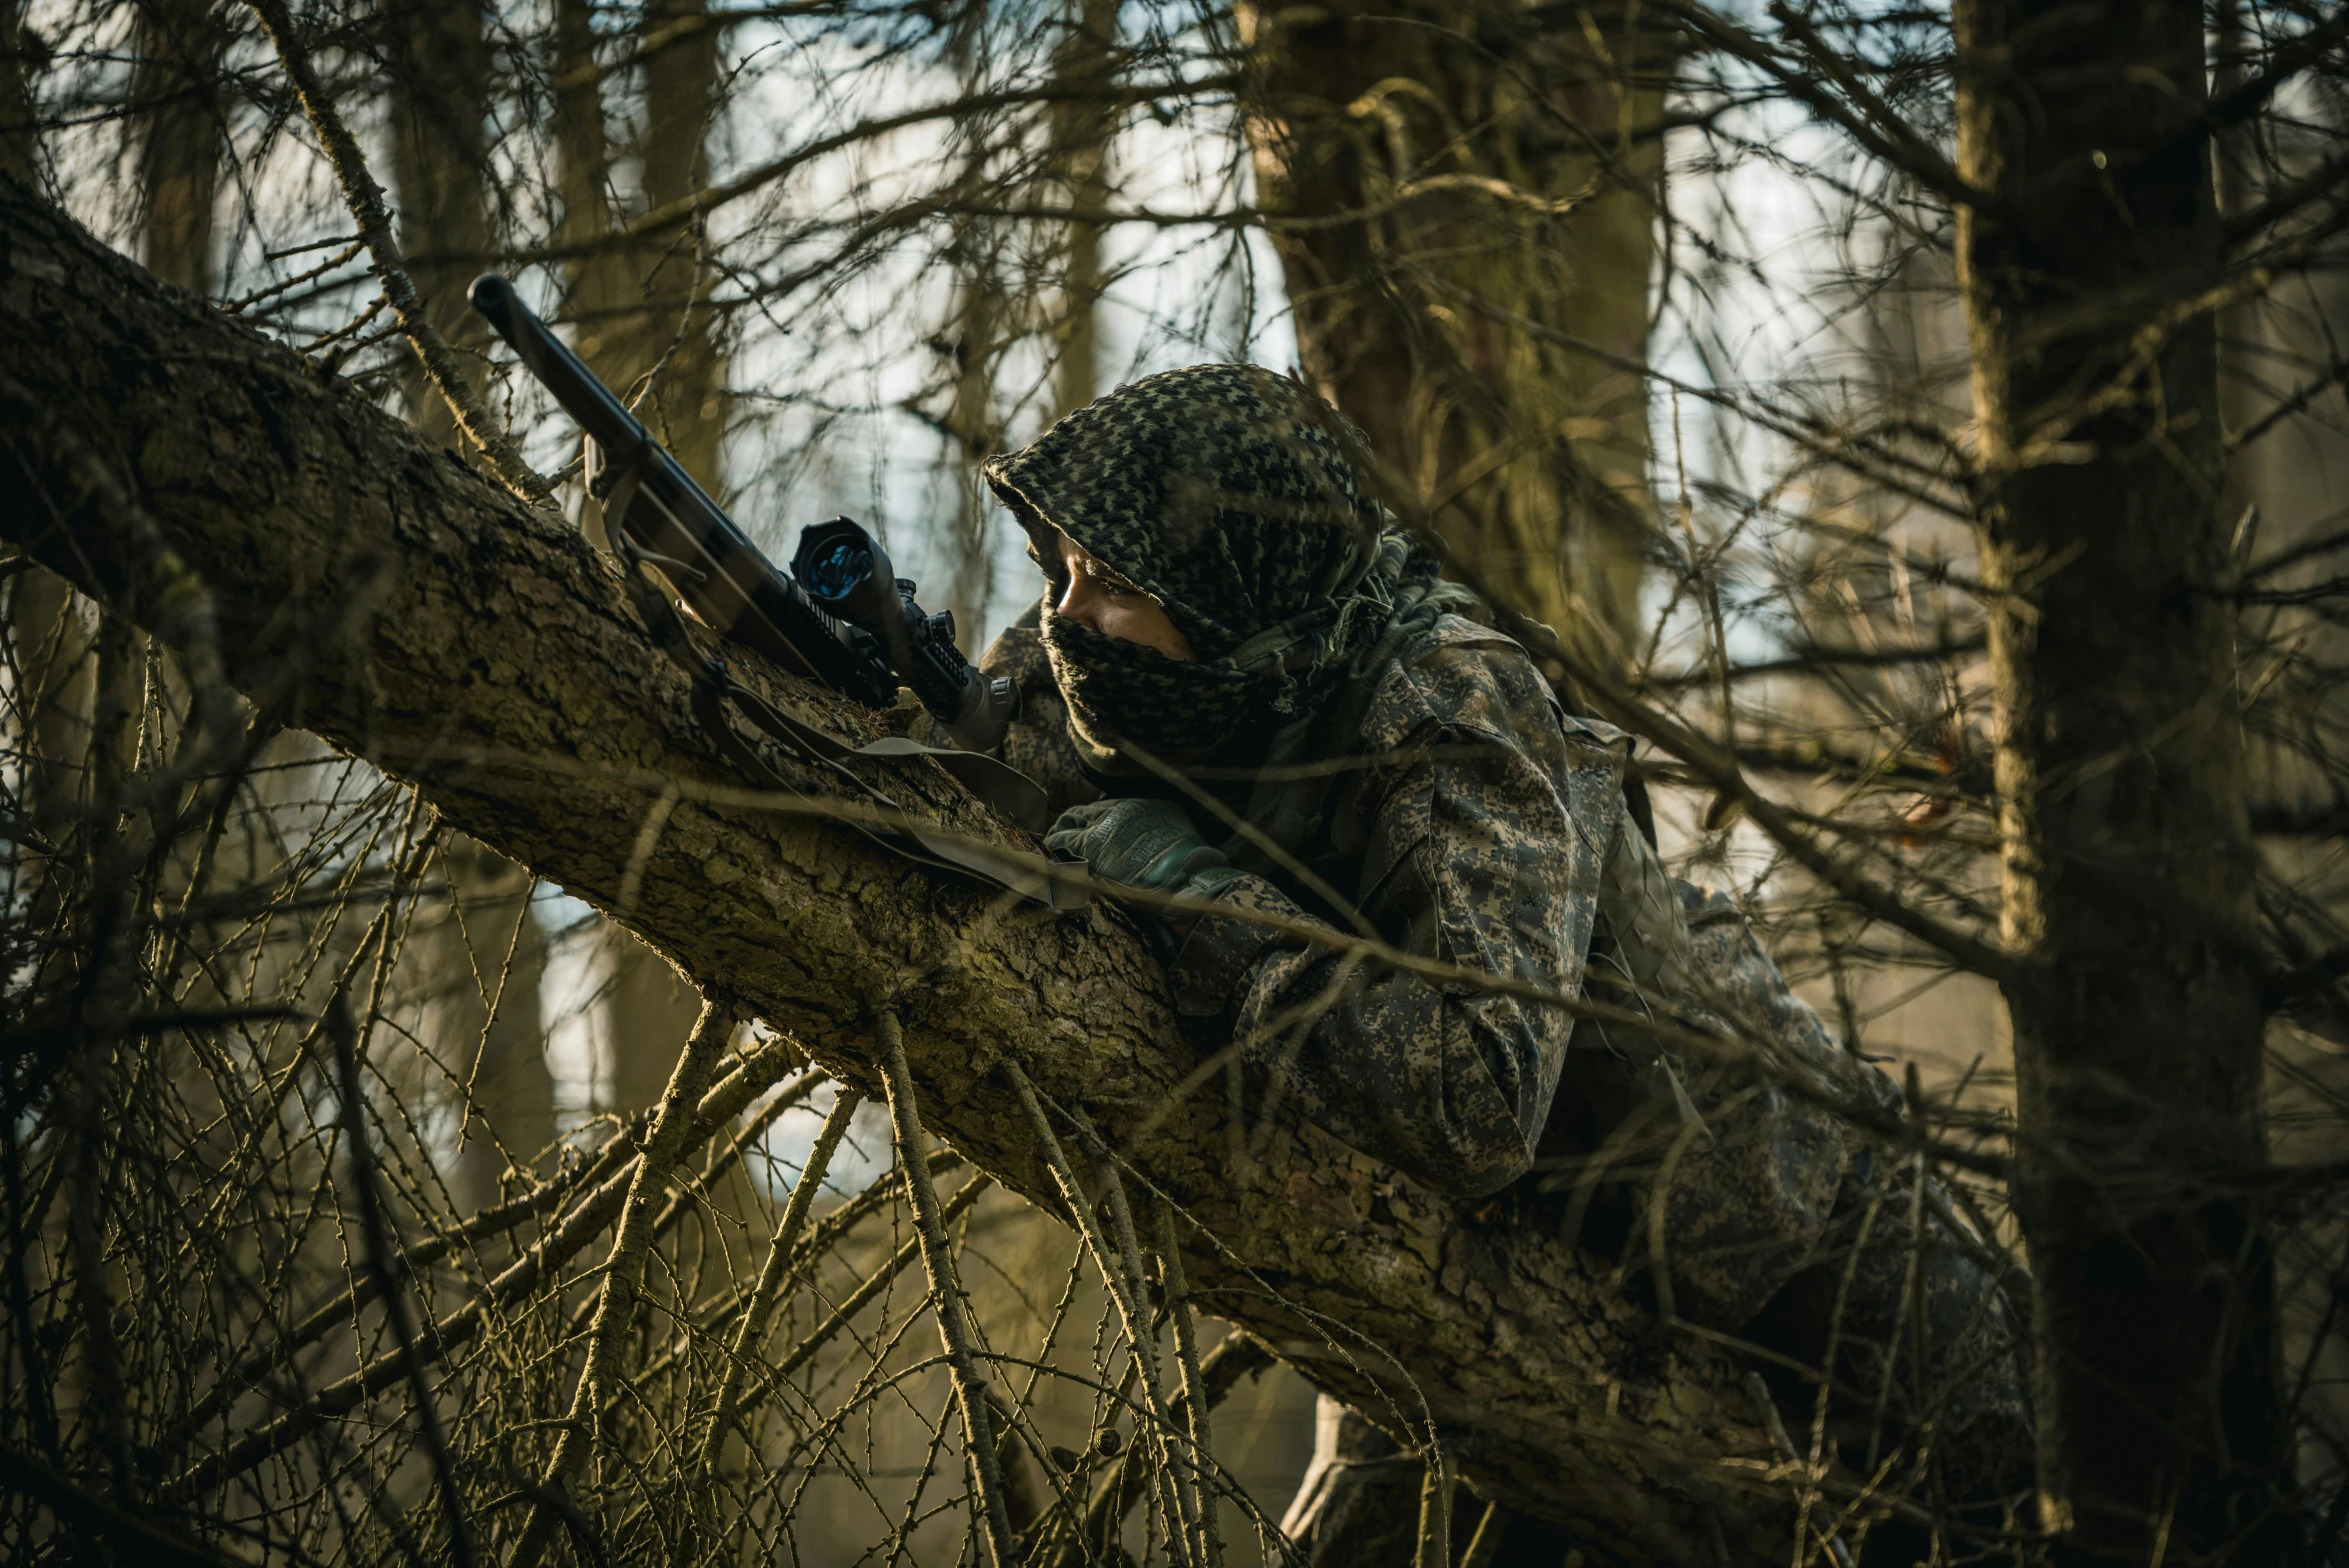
x=480, y=960
x=174, y=86
x=438, y=60
x=2087, y=226
x=1465, y=202
x=644, y=299
x=23, y=53
x=676, y=343
x=1081, y=128
x=485, y=957
x=650, y=330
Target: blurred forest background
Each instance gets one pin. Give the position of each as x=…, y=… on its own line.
x=1656, y=312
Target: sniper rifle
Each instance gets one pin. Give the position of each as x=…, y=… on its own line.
x=842, y=617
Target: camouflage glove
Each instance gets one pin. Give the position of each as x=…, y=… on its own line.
x=1145, y=844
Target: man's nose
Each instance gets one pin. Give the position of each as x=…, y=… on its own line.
x=1081, y=604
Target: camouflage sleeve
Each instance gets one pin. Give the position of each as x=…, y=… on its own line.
x=1488, y=823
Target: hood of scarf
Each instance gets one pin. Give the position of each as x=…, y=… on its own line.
x=1227, y=493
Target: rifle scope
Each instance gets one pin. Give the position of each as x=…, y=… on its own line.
x=845, y=569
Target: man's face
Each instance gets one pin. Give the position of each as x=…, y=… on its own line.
x=1093, y=596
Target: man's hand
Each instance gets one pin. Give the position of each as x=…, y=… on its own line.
x=1145, y=844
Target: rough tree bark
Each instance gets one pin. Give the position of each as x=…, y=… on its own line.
x=482, y=650
x=2128, y=902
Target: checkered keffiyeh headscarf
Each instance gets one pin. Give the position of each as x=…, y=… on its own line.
x=1227, y=494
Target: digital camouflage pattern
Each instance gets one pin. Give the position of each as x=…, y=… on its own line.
x=1483, y=818
x=1426, y=788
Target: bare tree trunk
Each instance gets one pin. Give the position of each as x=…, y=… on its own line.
x=974, y=341
x=21, y=57
x=583, y=162
x=642, y=307
x=674, y=334
x=489, y=962
x=52, y=659
x=489, y=1027
x=438, y=59
x=2128, y=906
x=1504, y=234
x=634, y=309
x=55, y=675
x=987, y=317
x=647, y=1013
x=174, y=88
x=1081, y=134
x=38, y=601
x=341, y=556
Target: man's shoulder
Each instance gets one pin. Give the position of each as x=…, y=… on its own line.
x=1463, y=675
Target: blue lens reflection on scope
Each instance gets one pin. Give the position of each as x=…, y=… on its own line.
x=836, y=573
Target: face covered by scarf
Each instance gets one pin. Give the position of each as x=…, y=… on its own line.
x=1224, y=492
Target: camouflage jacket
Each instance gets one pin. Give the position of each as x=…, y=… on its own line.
x=1475, y=833
x=1471, y=784
x=1484, y=828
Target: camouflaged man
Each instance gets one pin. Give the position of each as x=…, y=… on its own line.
x=1248, y=689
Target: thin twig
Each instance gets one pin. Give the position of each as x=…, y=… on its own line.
x=863, y=1296
x=664, y=1147
x=1120, y=1272
x=1237, y=1356
x=947, y=1301
x=1436, y=1485
x=752, y=1325
x=359, y=1150
x=1484, y=1547
x=1775, y=1424
x=1189, y=1397
x=365, y=199
x=606, y=1179
x=134, y=1539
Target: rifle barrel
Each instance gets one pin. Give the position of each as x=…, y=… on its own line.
x=711, y=563
x=594, y=406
